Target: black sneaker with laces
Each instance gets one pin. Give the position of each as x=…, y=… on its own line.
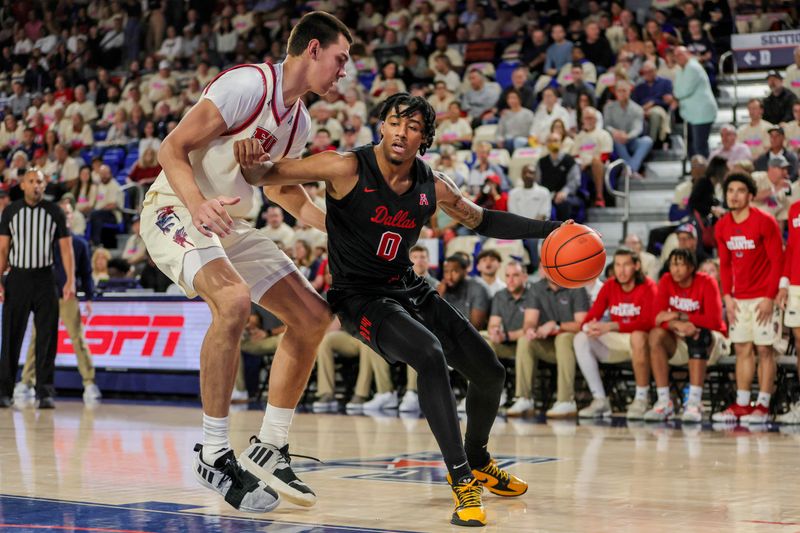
x=241, y=489
x=273, y=466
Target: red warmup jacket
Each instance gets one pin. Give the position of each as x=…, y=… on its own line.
x=700, y=300
x=791, y=259
x=750, y=255
x=633, y=311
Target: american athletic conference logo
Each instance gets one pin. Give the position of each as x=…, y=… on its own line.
x=422, y=467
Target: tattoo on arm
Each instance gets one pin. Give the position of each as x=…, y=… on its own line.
x=453, y=202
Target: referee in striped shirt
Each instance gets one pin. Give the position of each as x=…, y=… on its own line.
x=29, y=228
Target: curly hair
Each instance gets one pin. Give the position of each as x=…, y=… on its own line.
x=414, y=104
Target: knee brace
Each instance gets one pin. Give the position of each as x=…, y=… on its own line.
x=699, y=347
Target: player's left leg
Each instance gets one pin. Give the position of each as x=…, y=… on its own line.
x=276, y=285
x=766, y=333
x=468, y=353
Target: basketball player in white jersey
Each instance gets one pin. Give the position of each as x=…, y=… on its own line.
x=194, y=228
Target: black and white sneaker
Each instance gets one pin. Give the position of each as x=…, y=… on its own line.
x=243, y=490
x=272, y=465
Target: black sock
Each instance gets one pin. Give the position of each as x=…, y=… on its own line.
x=477, y=455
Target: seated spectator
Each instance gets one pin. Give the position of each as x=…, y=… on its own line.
x=353, y=106
x=443, y=73
x=442, y=47
x=81, y=105
x=148, y=139
x=592, y=148
x=276, y=229
x=560, y=128
x=323, y=118
x=110, y=108
x=440, y=100
x=792, y=130
x=506, y=334
x=575, y=86
x=777, y=140
x=389, y=73
x=135, y=252
x=534, y=52
x=146, y=169
x=596, y=47
x=349, y=139
x=363, y=133
x=560, y=176
x=135, y=98
x=152, y=278
x=773, y=187
x=19, y=101
x=559, y=52
x=576, y=115
x=487, y=264
x=108, y=202
x=550, y=323
x=454, y=130
x=79, y=135
x=479, y=97
x=630, y=298
x=731, y=149
x=755, y=134
x=111, y=45
x=13, y=174
x=491, y=196
x=624, y=119
x=519, y=83
x=699, y=44
x=467, y=295
x=448, y=164
x=549, y=110
x=85, y=192
x=10, y=133
x=482, y=168
x=321, y=142
x=654, y=94
x=515, y=123
x=302, y=256
x=100, y=259
x=687, y=240
x=793, y=74
x=778, y=104
x=650, y=263
x=118, y=131
x=688, y=330
x=587, y=74
x=28, y=143
x=63, y=169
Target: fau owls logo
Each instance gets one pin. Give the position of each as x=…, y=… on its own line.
x=265, y=138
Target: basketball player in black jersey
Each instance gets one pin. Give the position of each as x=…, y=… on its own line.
x=378, y=199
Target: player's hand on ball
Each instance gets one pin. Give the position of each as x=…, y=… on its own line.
x=250, y=154
x=211, y=217
x=567, y=222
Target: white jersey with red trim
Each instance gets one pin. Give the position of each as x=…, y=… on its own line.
x=283, y=132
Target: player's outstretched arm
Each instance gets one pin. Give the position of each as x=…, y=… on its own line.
x=488, y=222
x=258, y=170
x=200, y=126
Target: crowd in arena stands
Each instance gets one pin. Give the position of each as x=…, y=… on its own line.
x=533, y=100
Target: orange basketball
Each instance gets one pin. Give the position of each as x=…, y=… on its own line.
x=573, y=256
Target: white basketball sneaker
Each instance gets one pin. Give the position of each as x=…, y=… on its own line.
x=243, y=490
x=273, y=466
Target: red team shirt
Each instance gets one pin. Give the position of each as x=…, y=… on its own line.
x=700, y=300
x=792, y=257
x=750, y=255
x=633, y=311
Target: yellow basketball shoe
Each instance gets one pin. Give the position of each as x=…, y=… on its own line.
x=498, y=481
x=469, y=507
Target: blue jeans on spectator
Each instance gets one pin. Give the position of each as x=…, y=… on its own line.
x=513, y=143
x=634, y=151
x=698, y=139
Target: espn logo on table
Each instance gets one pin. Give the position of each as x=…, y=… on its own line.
x=114, y=335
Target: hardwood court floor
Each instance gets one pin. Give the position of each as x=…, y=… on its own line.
x=126, y=467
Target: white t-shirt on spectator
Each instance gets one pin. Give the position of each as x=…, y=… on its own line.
x=531, y=203
x=755, y=137
x=591, y=144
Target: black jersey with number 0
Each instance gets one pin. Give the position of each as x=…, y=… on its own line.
x=372, y=228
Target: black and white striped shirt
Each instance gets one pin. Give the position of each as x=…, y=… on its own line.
x=33, y=231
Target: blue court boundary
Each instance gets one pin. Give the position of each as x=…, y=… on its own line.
x=25, y=514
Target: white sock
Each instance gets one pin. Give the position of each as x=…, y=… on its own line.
x=275, y=426
x=695, y=394
x=663, y=394
x=588, y=365
x=215, y=438
x=763, y=399
x=742, y=397
x=641, y=393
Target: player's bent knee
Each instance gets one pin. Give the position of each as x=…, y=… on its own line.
x=639, y=339
x=232, y=304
